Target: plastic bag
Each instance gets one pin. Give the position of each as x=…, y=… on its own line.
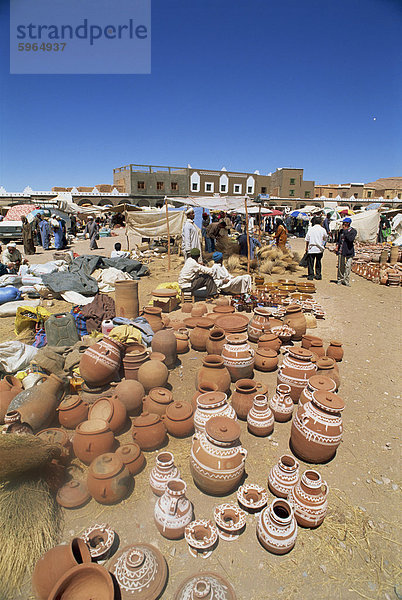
x=303, y=261
x=10, y=309
x=15, y=356
x=9, y=294
x=29, y=316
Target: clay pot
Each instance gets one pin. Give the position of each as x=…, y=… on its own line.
x=140, y=571
x=202, y=537
x=277, y=527
x=153, y=373
x=215, y=341
x=148, y=431
x=230, y=521
x=217, y=459
x=72, y=411
x=89, y=393
x=222, y=301
x=73, y=494
x=213, y=371
x=243, y=397
x=294, y=318
x=269, y=341
x=260, y=420
x=316, y=383
x=187, y=307
x=258, y=324
x=55, y=435
x=9, y=387
x=165, y=341
x=306, y=340
x=317, y=348
x=252, y=497
x=335, y=350
x=178, y=419
x=224, y=310
x=84, y=581
x=262, y=388
x=55, y=563
x=163, y=471
x=126, y=299
x=238, y=356
x=309, y=499
x=109, y=481
x=296, y=370
x=203, y=389
x=135, y=356
x=266, y=360
x=200, y=334
x=284, y=333
x=91, y=439
x=100, y=363
x=327, y=366
x=281, y=403
x=153, y=315
x=110, y=410
x=157, y=400
x=132, y=457
x=40, y=402
x=157, y=356
x=317, y=427
x=173, y=511
x=130, y=393
x=207, y=586
x=13, y=424
x=283, y=476
x=182, y=340
x=199, y=309
x=211, y=404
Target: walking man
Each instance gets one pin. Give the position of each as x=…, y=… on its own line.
x=316, y=239
x=190, y=235
x=92, y=230
x=345, y=250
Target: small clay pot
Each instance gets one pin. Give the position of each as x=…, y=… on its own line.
x=148, y=431
x=283, y=476
x=199, y=309
x=328, y=367
x=92, y=438
x=153, y=315
x=269, y=341
x=266, y=360
x=277, y=527
x=317, y=347
x=200, y=334
x=132, y=457
x=243, y=397
x=335, y=350
x=84, y=581
x=153, y=373
x=182, y=340
x=203, y=389
x=214, y=371
x=165, y=341
x=9, y=387
x=179, y=419
x=215, y=341
x=72, y=411
x=260, y=419
x=130, y=393
x=109, y=481
x=110, y=410
x=157, y=400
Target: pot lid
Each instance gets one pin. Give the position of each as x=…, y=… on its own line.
x=73, y=494
x=335, y=343
x=268, y=337
x=293, y=308
x=140, y=571
x=233, y=322
x=146, y=419
x=204, y=322
x=325, y=362
x=301, y=353
x=328, y=401
x=210, y=399
x=92, y=426
x=69, y=402
x=164, y=293
x=224, y=309
x=101, y=409
x=53, y=435
x=321, y=382
x=106, y=465
x=236, y=338
x=202, y=585
x=191, y=322
x=223, y=429
x=153, y=310
x=161, y=395
x=266, y=352
x=128, y=452
x=179, y=411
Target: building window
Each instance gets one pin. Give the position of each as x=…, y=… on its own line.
x=209, y=186
x=291, y=192
x=140, y=185
x=343, y=194
x=355, y=195
x=387, y=196
x=263, y=190
x=250, y=189
x=160, y=185
x=368, y=194
x=237, y=188
x=330, y=195
x=307, y=194
x=292, y=181
x=174, y=186
x=194, y=187
x=399, y=196
x=316, y=195
x=223, y=187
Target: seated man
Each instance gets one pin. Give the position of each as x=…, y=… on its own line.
x=117, y=252
x=195, y=276
x=12, y=258
x=226, y=282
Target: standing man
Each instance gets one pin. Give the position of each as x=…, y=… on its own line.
x=92, y=230
x=345, y=250
x=44, y=233
x=189, y=235
x=27, y=236
x=316, y=239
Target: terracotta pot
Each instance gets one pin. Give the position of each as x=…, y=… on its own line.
x=327, y=366
x=157, y=400
x=269, y=341
x=153, y=373
x=130, y=393
x=243, y=397
x=262, y=388
x=200, y=334
x=110, y=410
x=13, y=424
x=55, y=435
x=199, y=309
x=316, y=383
x=238, y=356
x=230, y=521
x=89, y=393
x=211, y=404
x=109, y=481
x=277, y=527
x=84, y=581
x=187, y=307
x=9, y=387
x=157, y=356
x=252, y=497
x=215, y=341
x=296, y=370
x=266, y=360
x=148, y=431
x=179, y=419
x=201, y=537
x=294, y=318
x=40, y=402
x=335, y=350
x=126, y=299
x=91, y=439
x=306, y=340
x=317, y=427
x=283, y=476
x=316, y=346
x=213, y=371
x=140, y=571
x=72, y=411
x=73, y=494
x=210, y=585
x=153, y=315
x=182, y=340
x=173, y=511
x=53, y=564
x=222, y=301
x=165, y=341
x=203, y=389
x=258, y=324
x=163, y=471
x=281, y=403
x=309, y=499
x=132, y=457
x=260, y=419
x=217, y=459
x=100, y=363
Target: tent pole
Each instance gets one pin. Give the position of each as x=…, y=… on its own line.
x=248, y=237
x=259, y=224
x=125, y=220
x=168, y=231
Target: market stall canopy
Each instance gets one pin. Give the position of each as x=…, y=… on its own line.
x=225, y=203
x=252, y=210
x=121, y=208
x=275, y=213
x=153, y=223
x=20, y=210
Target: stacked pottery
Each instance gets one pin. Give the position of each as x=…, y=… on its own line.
x=9, y=387
x=238, y=356
x=163, y=471
x=157, y=400
x=316, y=383
x=295, y=318
x=109, y=481
x=37, y=405
x=100, y=363
x=179, y=419
x=135, y=356
x=277, y=527
x=132, y=457
x=182, y=340
x=203, y=389
x=266, y=360
x=327, y=366
x=200, y=334
x=165, y=341
x=258, y=324
x=217, y=459
x=153, y=373
x=72, y=411
x=140, y=571
x=243, y=397
x=260, y=419
x=110, y=410
x=335, y=350
x=213, y=371
x=283, y=476
x=91, y=439
x=211, y=404
x=153, y=315
x=148, y=431
x=215, y=341
x=296, y=370
x=281, y=403
x=317, y=427
x=309, y=499
x=269, y=341
x=173, y=511
x=130, y=393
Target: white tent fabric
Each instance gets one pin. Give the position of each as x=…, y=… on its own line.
x=152, y=223
x=226, y=203
x=366, y=224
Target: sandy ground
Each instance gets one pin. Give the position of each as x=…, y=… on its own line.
x=355, y=553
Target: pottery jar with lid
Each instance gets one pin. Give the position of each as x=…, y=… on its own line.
x=316, y=383
x=153, y=315
x=173, y=511
x=335, y=350
x=238, y=356
x=153, y=373
x=215, y=341
x=132, y=457
x=157, y=400
x=72, y=411
x=110, y=410
x=260, y=419
x=309, y=499
x=182, y=340
x=211, y=404
x=317, y=427
x=148, y=431
x=283, y=476
x=179, y=419
x=306, y=340
x=101, y=362
x=266, y=360
x=296, y=370
x=214, y=371
x=269, y=341
x=109, y=481
x=258, y=323
x=163, y=471
x=130, y=393
x=243, y=397
x=317, y=347
x=281, y=403
x=91, y=439
x=217, y=459
x=328, y=367
x=295, y=318
x=203, y=389
x=200, y=334
x=277, y=527
x=165, y=341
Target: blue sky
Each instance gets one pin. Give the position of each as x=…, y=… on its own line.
x=246, y=85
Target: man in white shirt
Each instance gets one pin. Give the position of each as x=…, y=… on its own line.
x=190, y=234
x=316, y=239
x=118, y=252
x=195, y=276
x=225, y=282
